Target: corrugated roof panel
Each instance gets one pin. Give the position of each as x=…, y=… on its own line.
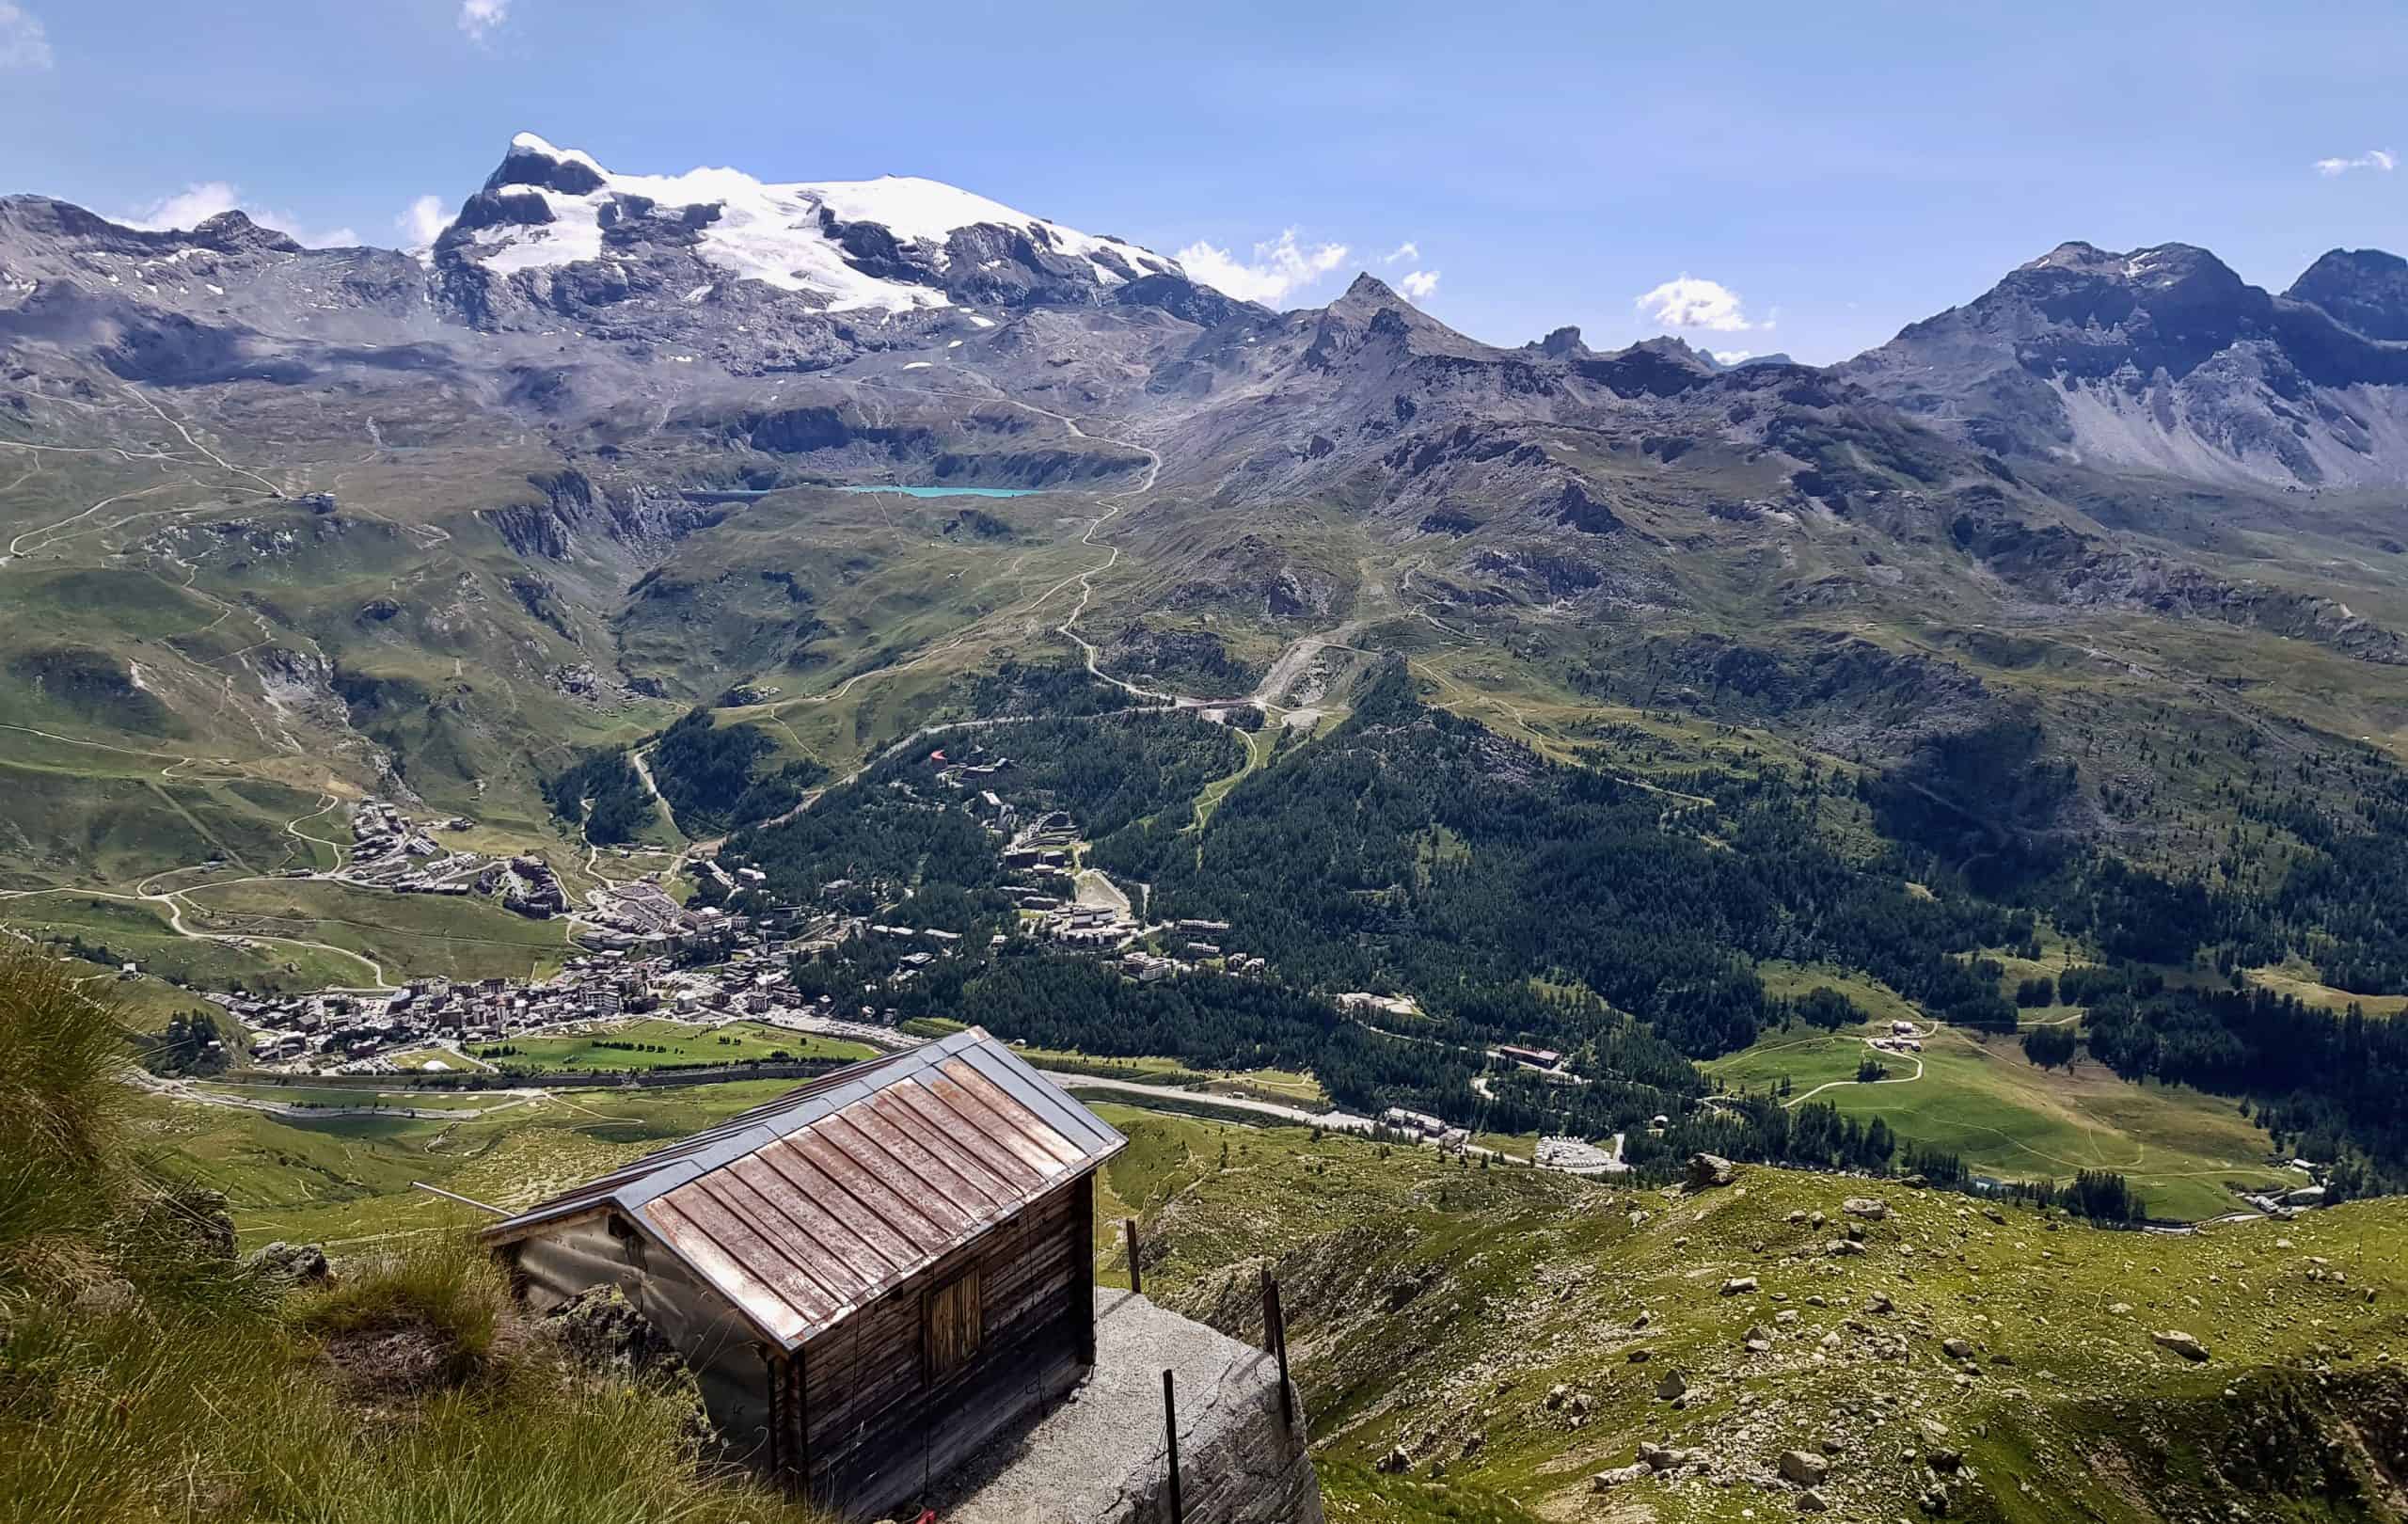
x=955, y=1129
x=876, y=1197
x=772, y=1313
x=1011, y=1124
x=797, y=1214
x=913, y=1187
x=795, y=1169
x=800, y=1210
x=956, y=1179
x=1041, y=1096
x=801, y=1273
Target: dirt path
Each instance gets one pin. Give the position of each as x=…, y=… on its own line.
x=1924, y=1035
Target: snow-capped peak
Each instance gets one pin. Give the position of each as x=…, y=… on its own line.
x=792, y=235
x=527, y=143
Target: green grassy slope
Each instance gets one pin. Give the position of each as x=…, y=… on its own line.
x=2010, y=1120
x=1434, y=1310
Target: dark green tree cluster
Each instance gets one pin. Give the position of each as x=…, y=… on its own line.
x=1826, y=1007
x=706, y=771
x=191, y=1044
x=1058, y=689
x=1411, y=849
x=903, y=826
x=2050, y=1046
x=601, y=793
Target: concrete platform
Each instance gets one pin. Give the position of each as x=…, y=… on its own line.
x=1098, y=1456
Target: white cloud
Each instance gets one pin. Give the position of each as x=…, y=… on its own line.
x=2383, y=160
x=197, y=202
x=1419, y=285
x=1406, y=250
x=1688, y=302
x=1279, y=267
x=23, y=44
x=190, y=207
x=481, y=19
x=1730, y=357
x=423, y=223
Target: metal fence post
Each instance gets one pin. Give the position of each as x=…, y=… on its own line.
x=1136, y=1276
x=1274, y=1335
x=1170, y=1440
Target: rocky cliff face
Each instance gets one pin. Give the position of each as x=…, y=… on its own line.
x=2165, y=359
x=2365, y=289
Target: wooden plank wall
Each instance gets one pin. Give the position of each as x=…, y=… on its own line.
x=875, y=1422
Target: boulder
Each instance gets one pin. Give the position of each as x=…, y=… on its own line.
x=1869, y=1207
x=604, y=1330
x=1804, y=1468
x=1707, y=1170
x=1812, y=1502
x=290, y=1264
x=1673, y=1387
x=1604, y=1481
x=1740, y=1286
x=1957, y=1349
x=2181, y=1344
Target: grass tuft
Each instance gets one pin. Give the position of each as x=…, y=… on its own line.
x=145, y=1379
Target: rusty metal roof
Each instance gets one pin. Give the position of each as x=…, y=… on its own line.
x=806, y=1209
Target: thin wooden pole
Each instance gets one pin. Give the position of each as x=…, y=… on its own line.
x=1170, y=1441
x=1136, y=1276
x=454, y=1196
x=1274, y=1334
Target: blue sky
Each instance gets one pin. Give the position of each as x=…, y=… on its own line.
x=1801, y=178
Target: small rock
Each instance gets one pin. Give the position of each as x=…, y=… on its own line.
x=1740, y=1286
x=2181, y=1344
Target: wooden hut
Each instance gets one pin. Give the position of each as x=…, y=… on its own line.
x=869, y=1275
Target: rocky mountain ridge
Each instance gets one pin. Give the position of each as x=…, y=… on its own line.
x=592, y=430
x=2165, y=361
